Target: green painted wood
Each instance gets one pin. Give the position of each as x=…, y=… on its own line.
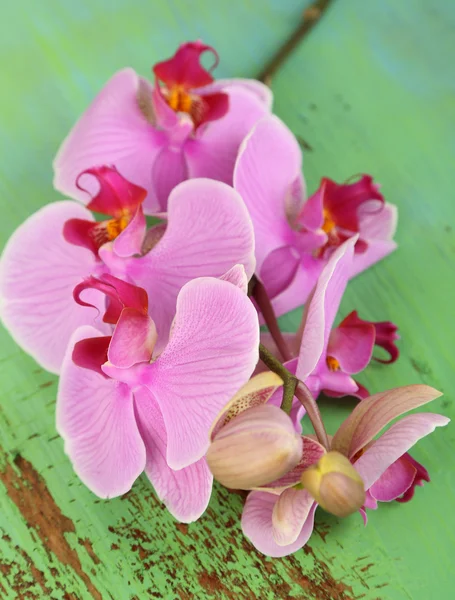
x=370, y=89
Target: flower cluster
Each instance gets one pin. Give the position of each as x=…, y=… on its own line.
x=189, y=226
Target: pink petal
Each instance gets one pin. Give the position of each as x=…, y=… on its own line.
x=380, y=225
x=213, y=151
x=258, y=528
x=351, y=343
x=376, y=250
x=394, y=443
x=279, y=269
x=261, y=91
x=371, y=415
x=209, y=231
x=130, y=240
x=237, y=276
x=268, y=163
x=337, y=383
x=301, y=286
x=212, y=352
x=133, y=339
x=186, y=493
x=395, y=481
x=169, y=169
x=322, y=309
x=95, y=417
x=113, y=131
x=38, y=272
x=91, y=353
x=290, y=514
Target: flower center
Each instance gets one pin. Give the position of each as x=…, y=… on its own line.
x=328, y=224
x=179, y=99
x=332, y=363
x=114, y=227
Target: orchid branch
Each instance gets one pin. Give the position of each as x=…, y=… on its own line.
x=259, y=293
x=292, y=386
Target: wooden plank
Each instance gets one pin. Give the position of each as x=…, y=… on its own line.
x=370, y=89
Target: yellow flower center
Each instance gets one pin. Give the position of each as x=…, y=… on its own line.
x=114, y=227
x=328, y=223
x=179, y=99
x=332, y=363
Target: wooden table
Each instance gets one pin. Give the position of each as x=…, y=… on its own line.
x=370, y=89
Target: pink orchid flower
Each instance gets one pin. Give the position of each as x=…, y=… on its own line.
x=122, y=409
x=279, y=519
x=208, y=231
x=184, y=126
x=326, y=357
x=294, y=237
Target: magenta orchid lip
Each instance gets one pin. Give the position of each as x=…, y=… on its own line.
x=155, y=330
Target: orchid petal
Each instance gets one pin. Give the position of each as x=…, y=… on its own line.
x=375, y=251
x=351, y=344
x=169, y=169
x=279, y=269
x=268, y=163
x=38, y=272
x=237, y=276
x=394, y=481
x=394, y=443
x=186, y=493
x=130, y=240
x=258, y=528
x=212, y=352
x=337, y=383
x=380, y=225
x=322, y=309
x=301, y=286
x=184, y=68
x=114, y=131
x=209, y=231
x=213, y=151
x=290, y=514
x=261, y=91
x=95, y=417
x=371, y=415
x=133, y=339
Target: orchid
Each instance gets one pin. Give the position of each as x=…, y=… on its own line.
x=207, y=232
x=186, y=125
x=294, y=236
x=326, y=357
x=123, y=409
x=278, y=519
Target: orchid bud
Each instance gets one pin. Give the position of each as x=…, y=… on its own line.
x=254, y=448
x=335, y=484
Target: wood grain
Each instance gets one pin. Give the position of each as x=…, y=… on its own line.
x=371, y=88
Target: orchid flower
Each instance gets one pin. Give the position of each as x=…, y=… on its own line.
x=208, y=231
x=186, y=125
x=325, y=358
x=123, y=409
x=294, y=236
x=278, y=518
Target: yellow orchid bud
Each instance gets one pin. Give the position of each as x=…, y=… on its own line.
x=335, y=484
x=254, y=448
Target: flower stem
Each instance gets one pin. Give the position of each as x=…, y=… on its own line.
x=306, y=399
x=293, y=387
x=259, y=293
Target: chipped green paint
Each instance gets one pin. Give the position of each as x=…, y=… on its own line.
x=370, y=89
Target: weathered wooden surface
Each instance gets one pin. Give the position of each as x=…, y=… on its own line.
x=370, y=89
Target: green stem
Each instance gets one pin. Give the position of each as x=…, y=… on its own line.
x=293, y=387
x=289, y=380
